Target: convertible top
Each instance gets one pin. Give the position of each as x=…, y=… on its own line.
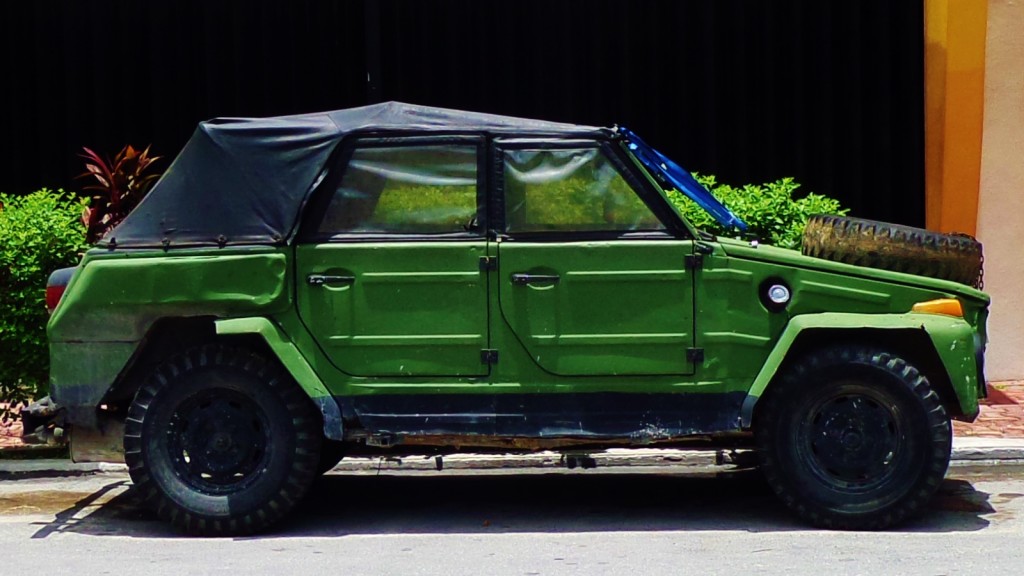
x=245, y=180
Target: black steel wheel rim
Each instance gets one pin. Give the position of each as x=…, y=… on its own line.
x=218, y=441
x=852, y=440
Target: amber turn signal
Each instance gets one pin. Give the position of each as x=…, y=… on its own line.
x=947, y=306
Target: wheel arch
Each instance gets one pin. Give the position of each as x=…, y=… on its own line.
x=293, y=361
x=164, y=338
x=170, y=336
x=914, y=337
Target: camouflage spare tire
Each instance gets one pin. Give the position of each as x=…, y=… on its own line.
x=955, y=257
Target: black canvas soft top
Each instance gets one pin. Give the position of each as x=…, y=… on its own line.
x=245, y=180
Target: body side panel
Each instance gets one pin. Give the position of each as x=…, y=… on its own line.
x=738, y=333
x=403, y=309
x=743, y=342
x=115, y=298
x=785, y=257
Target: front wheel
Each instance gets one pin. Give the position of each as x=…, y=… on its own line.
x=853, y=438
x=220, y=441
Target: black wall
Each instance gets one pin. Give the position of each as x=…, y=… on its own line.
x=828, y=92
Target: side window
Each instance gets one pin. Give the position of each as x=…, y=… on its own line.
x=570, y=190
x=428, y=189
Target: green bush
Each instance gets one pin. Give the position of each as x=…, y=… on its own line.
x=39, y=233
x=770, y=210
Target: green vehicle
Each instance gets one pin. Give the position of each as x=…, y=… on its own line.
x=397, y=279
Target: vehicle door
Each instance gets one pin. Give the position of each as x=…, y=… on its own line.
x=593, y=281
x=389, y=279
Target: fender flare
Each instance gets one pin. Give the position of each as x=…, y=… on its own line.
x=294, y=362
x=952, y=338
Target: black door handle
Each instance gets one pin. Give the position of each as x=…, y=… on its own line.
x=321, y=279
x=520, y=279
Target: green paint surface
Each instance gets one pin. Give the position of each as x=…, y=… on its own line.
x=116, y=296
x=398, y=309
x=599, y=309
x=413, y=317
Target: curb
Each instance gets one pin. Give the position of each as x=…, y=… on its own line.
x=974, y=450
x=966, y=452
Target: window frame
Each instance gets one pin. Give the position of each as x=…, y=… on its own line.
x=674, y=227
x=320, y=200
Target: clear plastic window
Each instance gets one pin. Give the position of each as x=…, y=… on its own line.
x=570, y=190
x=429, y=189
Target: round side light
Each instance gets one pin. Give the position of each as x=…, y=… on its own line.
x=779, y=294
x=774, y=294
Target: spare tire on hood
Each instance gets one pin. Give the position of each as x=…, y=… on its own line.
x=955, y=257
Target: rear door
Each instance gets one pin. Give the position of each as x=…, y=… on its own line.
x=390, y=281
x=591, y=281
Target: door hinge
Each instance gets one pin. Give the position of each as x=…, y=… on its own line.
x=694, y=261
x=703, y=248
x=488, y=356
x=488, y=263
x=695, y=355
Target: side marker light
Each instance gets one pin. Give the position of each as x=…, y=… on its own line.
x=947, y=306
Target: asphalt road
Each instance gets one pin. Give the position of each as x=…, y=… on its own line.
x=572, y=522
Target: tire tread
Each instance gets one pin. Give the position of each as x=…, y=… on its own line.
x=303, y=417
x=954, y=257
x=793, y=382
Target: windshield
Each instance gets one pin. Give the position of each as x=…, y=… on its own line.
x=671, y=175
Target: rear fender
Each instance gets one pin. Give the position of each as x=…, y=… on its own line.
x=294, y=362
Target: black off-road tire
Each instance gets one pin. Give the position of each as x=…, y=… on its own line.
x=219, y=441
x=955, y=257
x=853, y=438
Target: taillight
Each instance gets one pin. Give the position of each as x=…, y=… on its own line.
x=55, y=286
x=53, y=296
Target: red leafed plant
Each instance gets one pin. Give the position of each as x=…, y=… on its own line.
x=120, y=186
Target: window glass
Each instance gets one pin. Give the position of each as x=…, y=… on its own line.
x=570, y=190
x=408, y=189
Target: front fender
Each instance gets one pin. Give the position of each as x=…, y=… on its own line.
x=953, y=339
x=294, y=362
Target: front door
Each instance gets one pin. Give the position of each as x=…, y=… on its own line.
x=590, y=281
x=390, y=283
x=618, y=308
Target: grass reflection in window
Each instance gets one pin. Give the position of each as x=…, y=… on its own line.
x=429, y=189
x=570, y=190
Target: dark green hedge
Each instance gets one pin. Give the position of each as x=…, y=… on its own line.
x=774, y=212
x=39, y=233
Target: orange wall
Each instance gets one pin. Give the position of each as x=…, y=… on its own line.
x=955, y=33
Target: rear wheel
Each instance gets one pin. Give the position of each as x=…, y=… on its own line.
x=853, y=438
x=219, y=441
